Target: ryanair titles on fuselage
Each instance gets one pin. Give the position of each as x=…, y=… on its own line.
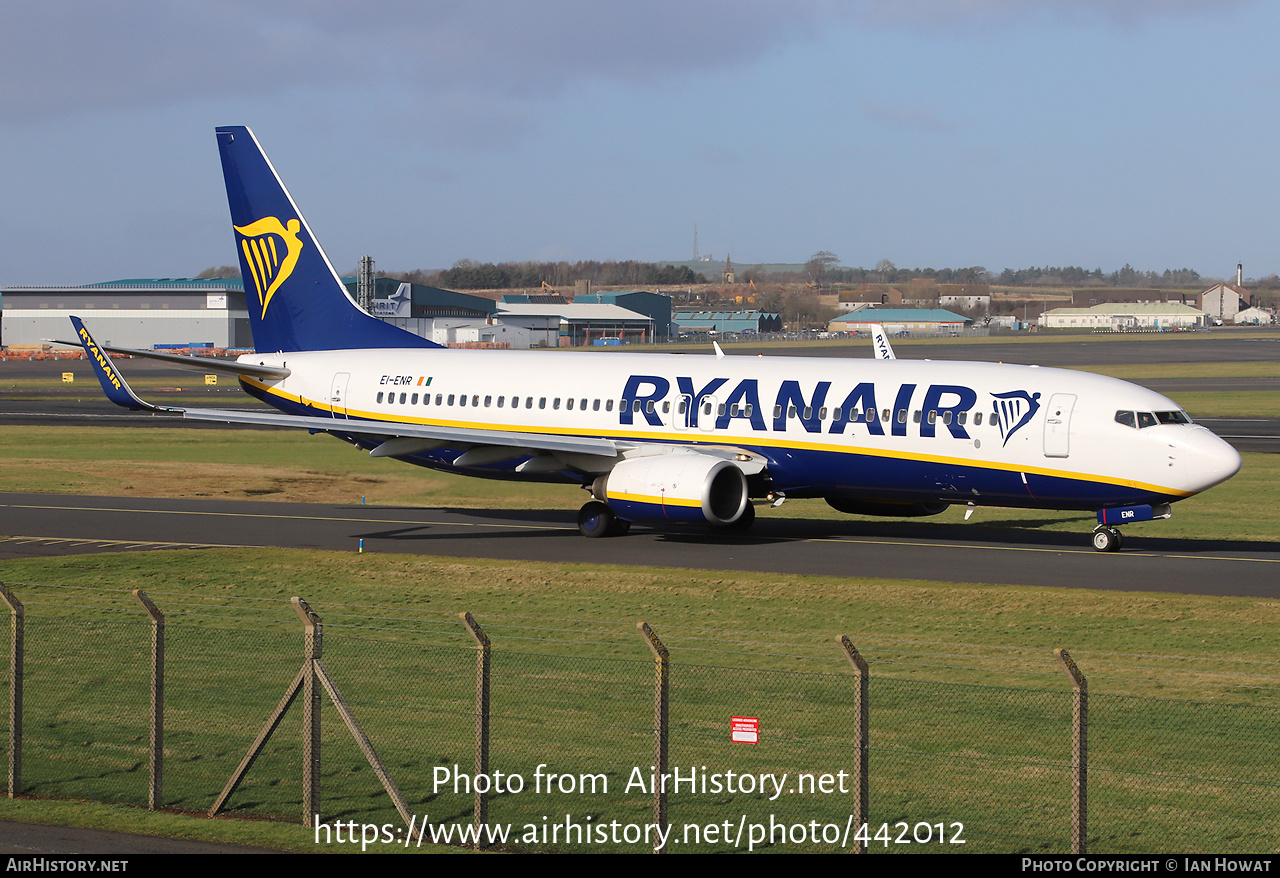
x=946, y=406
x=945, y=403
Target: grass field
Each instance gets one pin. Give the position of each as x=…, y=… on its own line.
x=970, y=713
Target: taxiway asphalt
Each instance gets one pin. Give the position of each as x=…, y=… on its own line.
x=45, y=524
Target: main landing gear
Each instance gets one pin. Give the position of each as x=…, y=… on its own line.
x=1107, y=539
x=595, y=519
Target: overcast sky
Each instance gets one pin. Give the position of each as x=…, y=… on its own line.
x=1002, y=133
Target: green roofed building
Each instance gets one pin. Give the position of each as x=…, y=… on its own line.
x=895, y=320
x=721, y=322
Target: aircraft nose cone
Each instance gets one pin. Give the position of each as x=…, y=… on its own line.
x=1210, y=460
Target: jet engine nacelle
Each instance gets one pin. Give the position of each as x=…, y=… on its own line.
x=682, y=487
x=881, y=507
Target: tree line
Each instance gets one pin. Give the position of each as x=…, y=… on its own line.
x=469, y=275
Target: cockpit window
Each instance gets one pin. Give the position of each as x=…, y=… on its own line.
x=1139, y=420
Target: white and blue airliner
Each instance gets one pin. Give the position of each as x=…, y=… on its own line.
x=664, y=438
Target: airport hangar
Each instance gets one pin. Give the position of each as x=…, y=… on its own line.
x=211, y=313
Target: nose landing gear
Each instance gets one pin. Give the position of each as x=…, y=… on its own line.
x=1107, y=539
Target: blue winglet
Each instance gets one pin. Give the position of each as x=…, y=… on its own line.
x=113, y=383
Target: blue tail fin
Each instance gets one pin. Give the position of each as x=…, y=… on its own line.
x=296, y=301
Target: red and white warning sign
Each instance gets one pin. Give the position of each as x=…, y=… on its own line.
x=745, y=730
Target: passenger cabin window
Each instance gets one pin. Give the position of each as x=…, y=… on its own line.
x=542, y=402
x=451, y=399
x=977, y=419
x=595, y=405
x=438, y=395
x=379, y=396
x=608, y=405
x=569, y=404
x=487, y=401
x=413, y=400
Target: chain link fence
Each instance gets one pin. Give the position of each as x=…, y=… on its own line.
x=557, y=734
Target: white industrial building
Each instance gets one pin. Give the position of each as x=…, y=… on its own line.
x=144, y=313
x=1254, y=317
x=1223, y=301
x=1122, y=316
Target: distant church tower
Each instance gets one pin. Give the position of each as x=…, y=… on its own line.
x=727, y=275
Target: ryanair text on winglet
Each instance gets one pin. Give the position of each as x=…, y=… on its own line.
x=103, y=362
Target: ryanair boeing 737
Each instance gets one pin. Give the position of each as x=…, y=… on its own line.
x=660, y=439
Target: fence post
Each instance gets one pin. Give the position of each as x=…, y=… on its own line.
x=481, y=817
x=313, y=643
x=1079, y=752
x=17, y=626
x=861, y=737
x=155, y=797
x=661, y=694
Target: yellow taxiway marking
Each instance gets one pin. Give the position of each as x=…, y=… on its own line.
x=94, y=541
x=402, y=521
x=1052, y=551
x=287, y=517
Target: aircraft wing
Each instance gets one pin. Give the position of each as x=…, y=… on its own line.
x=394, y=429
x=119, y=392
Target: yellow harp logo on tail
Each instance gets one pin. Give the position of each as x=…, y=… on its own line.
x=263, y=242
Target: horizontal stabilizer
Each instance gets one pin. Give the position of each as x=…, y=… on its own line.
x=203, y=364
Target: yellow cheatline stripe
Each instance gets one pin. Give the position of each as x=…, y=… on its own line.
x=655, y=500
x=683, y=438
